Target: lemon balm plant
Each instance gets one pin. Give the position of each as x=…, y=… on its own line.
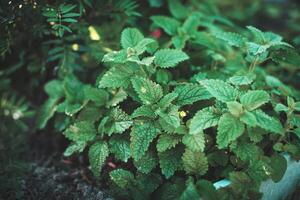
x=177, y=113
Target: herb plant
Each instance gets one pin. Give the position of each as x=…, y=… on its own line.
x=175, y=106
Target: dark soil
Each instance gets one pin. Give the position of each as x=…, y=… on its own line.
x=50, y=176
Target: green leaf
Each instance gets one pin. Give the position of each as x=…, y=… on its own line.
x=130, y=37
x=190, y=192
x=167, y=141
x=116, y=57
x=229, y=129
x=249, y=119
x=141, y=47
x=279, y=165
x=246, y=151
x=83, y=131
x=121, y=177
x=46, y=112
x=268, y=123
x=208, y=191
x=241, y=80
x=117, y=122
x=147, y=163
x=142, y=135
x=254, y=99
x=120, y=147
x=116, y=77
x=97, y=95
x=235, y=108
x=195, y=142
x=168, y=24
x=177, y=9
x=149, y=92
x=98, y=153
x=259, y=170
x=75, y=147
x=54, y=89
x=166, y=58
x=195, y=162
x=144, y=111
x=232, y=39
x=203, y=119
x=280, y=107
x=170, y=116
x=170, y=161
x=221, y=90
x=258, y=34
x=190, y=93
x=167, y=100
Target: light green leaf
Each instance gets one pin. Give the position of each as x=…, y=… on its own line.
x=254, y=99
x=190, y=93
x=98, y=153
x=241, y=80
x=267, y=122
x=141, y=136
x=203, y=119
x=229, y=129
x=168, y=24
x=130, y=37
x=232, y=39
x=120, y=147
x=235, y=108
x=149, y=92
x=249, y=119
x=83, y=131
x=117, y=122
x=177, y=9
x=144, y=111
x=170, y=116
x=166, y=58
x=118, y=76
x=195, y=142
x=221, y=90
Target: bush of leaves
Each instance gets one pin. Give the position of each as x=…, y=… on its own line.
x=174, y=101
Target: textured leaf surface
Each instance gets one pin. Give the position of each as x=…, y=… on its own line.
x=170, y=161
x=190, y=93
x=120, y=147
x=147, y=163
x=166, y=58
x=118, y=76
x=254, y=99
x=121, y=177
x=229, y=129
x=141, y=137
x=148, y=91
x=171, y=116
x=267, y=122
x=167, y=141
x=98, y=153
x=130, y=37
x=195, y=142
x=203, y=119
x=83, y=131
x=221, y=90
x=195, y=162
x=233, y=39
